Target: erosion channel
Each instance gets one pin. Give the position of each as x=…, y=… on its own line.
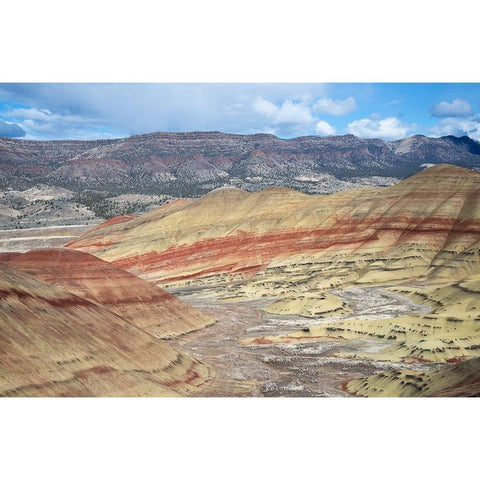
x=287, y=369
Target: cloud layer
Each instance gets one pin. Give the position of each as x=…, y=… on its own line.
x=458, y=127
x=335, y=107
x=126, y=109
x=299, y=116
x=89, y=111
x=390, y=128
x=288, y=113
x=456, y=108
x=457, y=118
x=43, y=123
x=324, y=128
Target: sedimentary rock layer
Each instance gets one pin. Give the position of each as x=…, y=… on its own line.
x=462, y=380
x=54, y=343
x=449, y=332
x=421, y=236
x=280, y=240
x=139, y=302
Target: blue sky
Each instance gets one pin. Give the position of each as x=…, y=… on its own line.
x=91, y=111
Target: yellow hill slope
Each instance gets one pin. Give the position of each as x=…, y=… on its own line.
x=418, y=228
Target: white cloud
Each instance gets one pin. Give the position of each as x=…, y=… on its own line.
x=390, y=128
x=335, y=107
x=32, y=113
x=456, y=108
x=288, y=113
x=457, y=127
x=126, y=109
x=42, y=123
x=47, y=116
x=324, y=128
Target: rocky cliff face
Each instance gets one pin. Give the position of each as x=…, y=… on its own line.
x=188, y=164
x=24, y=161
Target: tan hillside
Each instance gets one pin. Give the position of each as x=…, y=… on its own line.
x=426, y=227
x=54, y=343
x=462, y=380
x=139, y=302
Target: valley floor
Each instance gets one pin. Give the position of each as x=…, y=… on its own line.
x=288, y=369
x=23, y=240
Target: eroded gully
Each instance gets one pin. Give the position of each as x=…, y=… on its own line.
x=286, y=369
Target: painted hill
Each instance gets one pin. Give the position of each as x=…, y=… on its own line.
x=421, y=238
x=426, y=227
x=135, y=300
x=54, y=343
x=462, y=380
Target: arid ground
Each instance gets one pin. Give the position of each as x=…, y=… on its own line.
x=365, y=292
x=287, y=369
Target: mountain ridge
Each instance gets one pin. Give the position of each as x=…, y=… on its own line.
x=192, y=163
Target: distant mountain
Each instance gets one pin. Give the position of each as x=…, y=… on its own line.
x=190, y=164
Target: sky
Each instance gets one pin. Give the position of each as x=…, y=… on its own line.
x=387, y=111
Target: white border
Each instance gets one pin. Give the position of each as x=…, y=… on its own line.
x=238, y=438
x=362, y=41
x=252, y=40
